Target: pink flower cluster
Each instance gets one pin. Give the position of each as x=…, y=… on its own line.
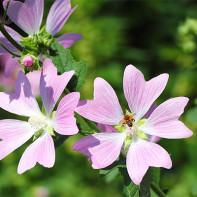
x=133, y=132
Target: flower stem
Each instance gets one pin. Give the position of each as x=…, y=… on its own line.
x=157, y=190
x=5, y=13
x=92, y=125
x=9, y=38
x=9, y=51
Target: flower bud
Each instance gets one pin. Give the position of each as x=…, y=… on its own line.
x=28, y=61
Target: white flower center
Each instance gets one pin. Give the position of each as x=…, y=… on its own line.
x=39, y=123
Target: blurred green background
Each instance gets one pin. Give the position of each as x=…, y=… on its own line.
x=156, y=36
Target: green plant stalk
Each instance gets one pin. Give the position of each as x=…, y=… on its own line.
x=5, y=13
x=92, y=125
x=9, y=51
x=157, y=190
x=9, y=38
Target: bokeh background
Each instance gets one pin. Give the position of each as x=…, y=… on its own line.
x=156, y=36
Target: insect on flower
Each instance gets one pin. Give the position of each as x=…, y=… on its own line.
x=131, y=130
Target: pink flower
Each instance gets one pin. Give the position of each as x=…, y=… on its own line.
x=8, y=82
x=14, y=133
x=28, y=16
x=104, y=148
x=28, y=61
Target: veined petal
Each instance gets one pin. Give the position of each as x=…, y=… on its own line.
x=28, y=15
x=107, y=128
x=58, y=15
x=42, y=150
x=140, y=94
x=22, y=102
x=142, y=155
x=34, y=79
x=163, y=122
x=52, y=85
x=11, y=64
x=6, y=43
x=151, y=109
x=102, y=148
x=67, y=40
x=105, y=107
x=64, y=121
x=13, y=133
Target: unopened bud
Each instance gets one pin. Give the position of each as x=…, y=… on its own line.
x=28, y=61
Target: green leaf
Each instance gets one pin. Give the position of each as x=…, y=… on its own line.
x=117, y=164
x=63, y=60
x=132, y=190
x=145, y=185
x=155, y=172
x=82, y=125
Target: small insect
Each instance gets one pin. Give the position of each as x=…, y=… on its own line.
x=127, y=120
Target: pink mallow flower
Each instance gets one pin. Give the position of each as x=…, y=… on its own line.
x=131, y=128
x=28, y=16
x=28, y=61
x=41, y=125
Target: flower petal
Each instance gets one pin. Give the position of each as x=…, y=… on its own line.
x=14, y=133
x=140, y=94
x=52, y=85
x=34, y=79
x=107, y=128
x=163, y=122
x=11, y=64
x=22, y=102
x=102, y=148
x=58, y=15
x=64, y=121
x=142, y=155
x=42, y=150
x=105, y=107
x=6, y=43
x=28, y=15
x=67, y=40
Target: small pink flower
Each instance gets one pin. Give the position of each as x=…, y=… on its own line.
x=28, y=16
x=28, y=61
x=22, y=102
x=104, y=148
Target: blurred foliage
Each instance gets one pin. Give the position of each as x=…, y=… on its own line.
x=155, y=36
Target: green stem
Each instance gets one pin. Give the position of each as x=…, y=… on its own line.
x=92, y=125
x=9, y=51
x=5, y=13
x=157, y=190
x=9, y=38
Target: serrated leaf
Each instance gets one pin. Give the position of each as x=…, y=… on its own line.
x=63, y=60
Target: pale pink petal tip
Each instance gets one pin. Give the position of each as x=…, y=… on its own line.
x=142, y=155
x=14, y=133
x=42, y=150
x=141, y=94
x=101, y=148
x=67, y=40
x=104, y=108
x=64, y=121
x=163, y=122
x=28, y=61
x=52, y=85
